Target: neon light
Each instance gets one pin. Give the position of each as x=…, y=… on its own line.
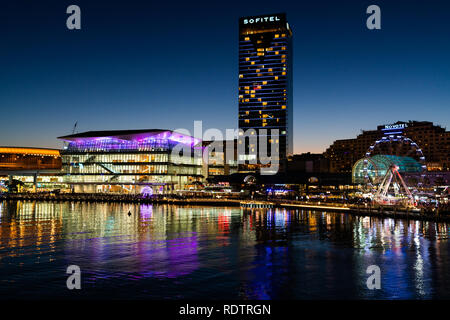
x=391, y=133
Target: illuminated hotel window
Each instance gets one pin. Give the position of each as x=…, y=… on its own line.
x=247, y=121
x=267, y=39
x=247, y=112
x=247, y=59
x=241, y=76
x=247, y=38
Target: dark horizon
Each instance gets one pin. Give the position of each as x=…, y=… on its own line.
x=165, y=65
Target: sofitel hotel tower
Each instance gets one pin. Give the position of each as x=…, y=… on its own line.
x=265, y=79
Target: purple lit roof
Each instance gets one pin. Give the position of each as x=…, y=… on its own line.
x=131, y=135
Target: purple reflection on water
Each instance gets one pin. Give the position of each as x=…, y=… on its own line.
x=183, y=256
x=133, y=257
x=165, y=258
x=146, y=210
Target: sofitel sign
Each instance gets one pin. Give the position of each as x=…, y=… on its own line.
x=262, y=19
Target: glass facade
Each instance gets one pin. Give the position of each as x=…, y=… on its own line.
x=130, y=160
x=265, y=79
x=378, y=166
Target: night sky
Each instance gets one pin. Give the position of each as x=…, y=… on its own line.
x=145, y=64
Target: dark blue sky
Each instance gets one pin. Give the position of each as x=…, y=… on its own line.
x=144, y=64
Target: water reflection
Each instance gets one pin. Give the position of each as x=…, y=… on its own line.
x=205, y=252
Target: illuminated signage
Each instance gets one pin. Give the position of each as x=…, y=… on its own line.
x=395, y=126
x=262, y=19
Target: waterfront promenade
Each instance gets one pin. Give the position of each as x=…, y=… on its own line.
x=363, y=209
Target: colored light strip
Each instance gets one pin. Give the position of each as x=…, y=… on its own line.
x=315, y=207
x=31, y=151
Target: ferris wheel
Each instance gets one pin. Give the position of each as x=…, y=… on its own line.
x=394, y=169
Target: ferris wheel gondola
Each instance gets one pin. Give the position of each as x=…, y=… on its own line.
x=402, y=157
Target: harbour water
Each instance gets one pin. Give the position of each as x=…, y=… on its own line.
x=174, y=252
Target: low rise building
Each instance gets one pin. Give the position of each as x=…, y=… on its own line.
x=27, y=168
x=131, y=161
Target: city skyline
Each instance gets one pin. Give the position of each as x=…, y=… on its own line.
x=105, y=76
x=224, y=157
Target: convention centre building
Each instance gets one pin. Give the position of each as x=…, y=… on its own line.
x=130, y=161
